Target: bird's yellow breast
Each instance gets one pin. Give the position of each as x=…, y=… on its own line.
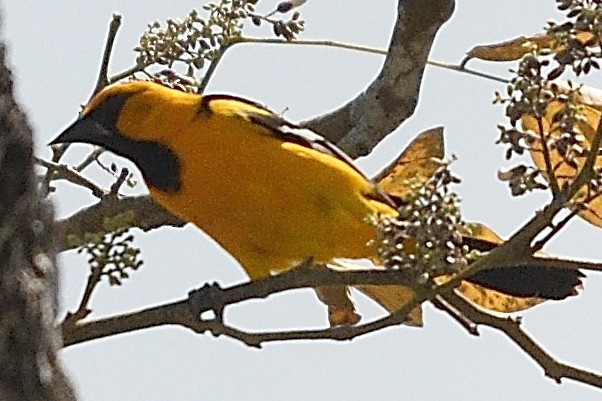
x=269, y=203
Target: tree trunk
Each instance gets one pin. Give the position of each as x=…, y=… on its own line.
x=29, y=340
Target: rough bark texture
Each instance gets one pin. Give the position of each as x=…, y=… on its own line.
x=146, y=215
x=29, y=341
x=392, y=97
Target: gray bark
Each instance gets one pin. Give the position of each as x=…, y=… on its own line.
x=29, y=340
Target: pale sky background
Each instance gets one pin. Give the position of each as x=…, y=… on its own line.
x=55, y=48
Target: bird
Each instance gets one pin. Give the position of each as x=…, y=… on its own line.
x=268, y=191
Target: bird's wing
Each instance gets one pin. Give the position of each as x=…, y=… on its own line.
x=283, y=130
x=288, y=132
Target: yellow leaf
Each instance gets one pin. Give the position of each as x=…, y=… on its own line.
x=415, y=162
x=509, y=50
x=564, y=172
x=494, y=301
x=481, y=231
x=342, y=310
x=393, y=297
x=485, y=298
x=516, y=48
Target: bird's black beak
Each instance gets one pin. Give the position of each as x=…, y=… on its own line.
x=85, y=130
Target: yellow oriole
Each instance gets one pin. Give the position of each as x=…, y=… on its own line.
x=269, y=192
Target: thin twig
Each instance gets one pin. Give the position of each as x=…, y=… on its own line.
x=212, y=67
x=103, y=74
x=57, y=152
x=554, y=186
x=82, y=310
x=525, y=235
x=114, y=191
x=306, y=42
x=458, y=68
x=441, y=303
x=94, y=279
x=60, y=171
x=365, y=49
x=91, y=158
x=124, y=74
x=511, y=327
x=340, y=333
x=538, y=246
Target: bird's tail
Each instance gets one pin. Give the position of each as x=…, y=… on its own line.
x=504, y=289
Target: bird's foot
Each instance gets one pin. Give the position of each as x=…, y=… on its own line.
x=205, y=299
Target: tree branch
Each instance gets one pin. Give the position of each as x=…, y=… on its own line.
x=392, y=97
x=147, y=215
x=511, y=327
x=186, y=312
x=57, y=171
x=103, y=73
x=29, y=341
x=524, y=237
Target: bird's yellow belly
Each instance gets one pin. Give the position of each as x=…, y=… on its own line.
x=271, y=213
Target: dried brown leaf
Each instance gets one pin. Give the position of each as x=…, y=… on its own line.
x=591, y=111
x=415, y=162
x=485, y=298
x=516, y=48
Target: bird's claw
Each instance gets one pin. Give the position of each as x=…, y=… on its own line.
x=206, y=298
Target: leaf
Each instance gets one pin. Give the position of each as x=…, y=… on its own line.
x=591, y=111
x=415, y=162
x=287, y=6
x=390, y=297
x=485, y=298
x=587, y=95
x=516, y=48
x=510, y=50
x=494, y=301
x=342, y=310
x=393, y=297
x=481, y=231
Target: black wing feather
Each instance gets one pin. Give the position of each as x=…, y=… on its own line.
x=288, y=132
